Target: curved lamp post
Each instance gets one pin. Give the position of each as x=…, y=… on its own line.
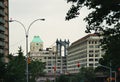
x=26, y=35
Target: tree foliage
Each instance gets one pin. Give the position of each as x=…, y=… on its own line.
x=111, y=46
x=2, y=67
x=104, y=12
x=16, y=68
x=36, y=69
x=87, y=74
x=105, y=17
x=84, y=75
x=63, y=78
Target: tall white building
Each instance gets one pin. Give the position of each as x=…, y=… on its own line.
x=48, y=55
x=85, y=51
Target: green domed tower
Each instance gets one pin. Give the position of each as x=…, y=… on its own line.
x=36, y=45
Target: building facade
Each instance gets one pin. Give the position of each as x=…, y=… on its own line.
x=48, y=55
x=85, y=52
x=4, y=27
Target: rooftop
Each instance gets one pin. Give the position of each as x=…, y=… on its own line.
x=37, y=39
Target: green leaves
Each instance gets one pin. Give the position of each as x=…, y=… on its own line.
x=104, y=12
x=36, y=68
x=87, y=74
x=16, y=68
x=73, y=12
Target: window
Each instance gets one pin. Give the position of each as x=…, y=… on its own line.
x=96, y=64
x=90, y=64
x=89, y=42
x=91, y=51
x=95, y=42
x=96, y=55
x=96, y=51
x=37, y=44
x=90, y=59
x=58, y=61
x=49, y=70
x=49, y=57
x=92, y=42
x=97, y=46
x=91, y=55
x=96, y=59
x=49, y=67
x=91, y=46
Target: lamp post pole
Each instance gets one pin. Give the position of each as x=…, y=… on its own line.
x=109, y=69
x=26, y=35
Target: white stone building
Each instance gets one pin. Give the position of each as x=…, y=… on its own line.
x=85, y=51
x=48, y=55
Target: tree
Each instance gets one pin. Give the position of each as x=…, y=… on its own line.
x=103, y=12
x=2, y=68
x=16, y=68
x=105, y=17
x=63, y=78
x=86, y=74
x=36, y=69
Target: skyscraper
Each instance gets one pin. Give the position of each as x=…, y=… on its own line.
x=4, y=28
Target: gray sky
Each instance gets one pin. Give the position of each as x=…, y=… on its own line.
x=55, y=26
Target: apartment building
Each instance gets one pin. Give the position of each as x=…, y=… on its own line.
x=4, y=28
x=48, y=55
x=85, y=51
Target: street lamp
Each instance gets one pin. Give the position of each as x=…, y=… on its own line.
x=26, y=35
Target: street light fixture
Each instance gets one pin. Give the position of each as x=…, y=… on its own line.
x=26, y=34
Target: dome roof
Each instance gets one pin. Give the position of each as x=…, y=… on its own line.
x=37, y=39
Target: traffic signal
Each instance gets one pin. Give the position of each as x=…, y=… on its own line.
x=78, y=64
x=29, y=60
x=54, y=68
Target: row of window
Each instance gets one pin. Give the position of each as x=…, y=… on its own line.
x=94, y=42
x=93, y=59
x=56, y=68
x=94, y=46
x=94, y=55
x=92, y=51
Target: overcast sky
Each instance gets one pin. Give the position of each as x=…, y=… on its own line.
x=54, y=26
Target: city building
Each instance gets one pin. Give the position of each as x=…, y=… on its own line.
x=4, y=28
x=84, y=52
x=55, y=64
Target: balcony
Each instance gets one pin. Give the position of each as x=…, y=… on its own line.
x=2, y=28
x=2, y=36
x=2, y=44
x=2, y=20
x=1, y=51
x=2, y=13
x=1, y=5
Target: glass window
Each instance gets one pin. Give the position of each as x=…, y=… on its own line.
x=96, y=55
x=96, y=59
x=91, y=55
x=37, y=44
x=96, y=51
x=49, y=57
x=91, y=51
x=91, y=46
x=96, y=46
x=90, y=59
x=90, y=64
x=89, y=42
